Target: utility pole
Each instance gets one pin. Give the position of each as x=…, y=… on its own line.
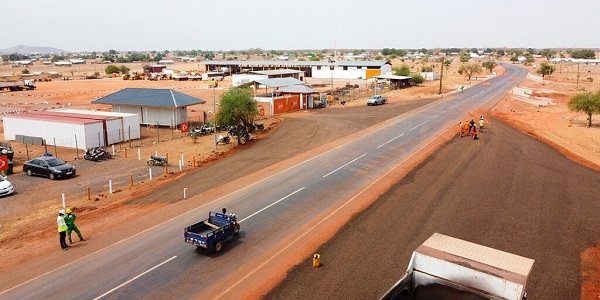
x=441, y=76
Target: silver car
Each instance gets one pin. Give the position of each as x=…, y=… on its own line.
x=376, y=100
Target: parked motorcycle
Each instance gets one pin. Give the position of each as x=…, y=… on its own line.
x=223, y=139
x=96, y=154
x=157, y=160
x=260, y=127
x=239, y=132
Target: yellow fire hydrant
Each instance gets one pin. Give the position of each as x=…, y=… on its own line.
x=316, y=260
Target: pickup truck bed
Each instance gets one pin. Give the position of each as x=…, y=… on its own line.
x=211, y=232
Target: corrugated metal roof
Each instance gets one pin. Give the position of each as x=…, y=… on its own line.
x=273, y=63
x=73, y=115
x=390, y=76
x=95, y=112
x=149, y=97
x=479, y=253
x=63, y=119
x=277, y=72
x=279, y=82
x=298, y=89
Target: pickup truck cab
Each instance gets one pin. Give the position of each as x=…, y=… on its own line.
x=212, y=232
x=376, y=100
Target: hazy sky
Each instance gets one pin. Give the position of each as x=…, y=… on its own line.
x=76, y=25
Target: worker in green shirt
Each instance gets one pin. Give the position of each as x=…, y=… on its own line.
x=70, y=220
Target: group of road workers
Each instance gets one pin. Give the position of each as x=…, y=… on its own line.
x=469, y=127
x=66, y=225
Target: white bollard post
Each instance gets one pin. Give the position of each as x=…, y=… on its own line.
x=110, y=186
x=184, y=193
x=113, y=149
x=150, y=170
x=139, y=154
x=64, y=201
x=182, y=161
x=156, y=153
x=179, y=165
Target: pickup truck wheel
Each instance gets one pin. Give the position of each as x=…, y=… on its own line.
x=218, y=246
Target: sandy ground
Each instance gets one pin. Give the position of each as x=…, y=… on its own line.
x=551, y=123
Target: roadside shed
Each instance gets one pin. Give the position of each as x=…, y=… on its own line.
x=129, y=126
x=161, y=107
x=395, y=81
x=276, y=101
x=56, y=130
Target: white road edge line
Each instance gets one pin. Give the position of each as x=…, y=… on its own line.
x=134, y=278
x=259, y=211
x=344, y=165
x=389, y=141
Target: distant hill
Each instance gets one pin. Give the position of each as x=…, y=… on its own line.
x=21, y=49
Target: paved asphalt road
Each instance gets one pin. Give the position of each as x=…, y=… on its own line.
x=286, y=204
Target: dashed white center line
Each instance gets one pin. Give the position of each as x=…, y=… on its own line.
x=389, y=141
x=343, y=165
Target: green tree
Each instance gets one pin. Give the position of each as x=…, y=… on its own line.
x=464, y=57
x=426, y=69
x=500, y=52
x=110, y=69
x=514, y=59
x=112, y=52
x=123, y=69
x=237, y=107
x=583, y=53
x=489, y=64
x=529, y=60
x=546, y=69
x=469, y=70
x=404, y=70
x=417, y=79
x=588, y=103
x=547, y=53
x=25, y=71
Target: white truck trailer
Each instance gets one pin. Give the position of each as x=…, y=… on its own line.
x=444, y=267
x=17, y=85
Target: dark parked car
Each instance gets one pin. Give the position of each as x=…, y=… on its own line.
x=49, y=166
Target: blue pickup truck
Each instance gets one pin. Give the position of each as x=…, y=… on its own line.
x=212, y=232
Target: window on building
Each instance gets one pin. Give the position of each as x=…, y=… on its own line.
x=319, y=68
x=359, y=67
x=345, y=68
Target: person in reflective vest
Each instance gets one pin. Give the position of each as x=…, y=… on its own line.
x=62, y=229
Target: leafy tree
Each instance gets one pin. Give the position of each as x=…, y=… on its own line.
x=123, y=69
x=583, y=53
x=586, y=102
x=426, y=69
x=417, y=79
x=237, y=107
x=546, y=69
x=547, y=53
x=315, y=58
x=514, y=58
x=529, y=60
x=378, y=57
x=469, y=69
x=404, y=70
x=500, y=52
x=110, y=69
x=25, y=71
x=451, y=50
x=464, y=57
x=112, y=52
x=530, y=50
x=489, y=64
